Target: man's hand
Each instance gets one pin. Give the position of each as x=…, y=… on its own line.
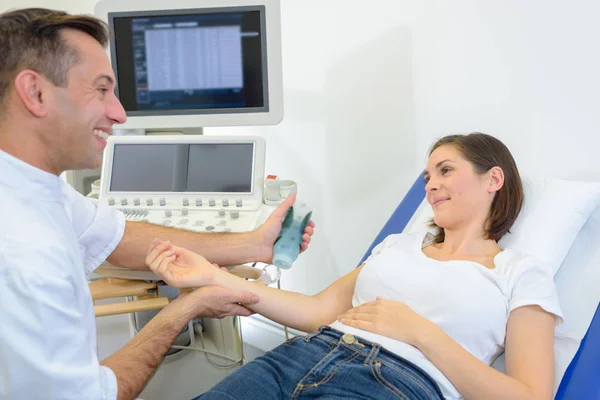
x=216, y=302
x=179, y=267
x=269, y=231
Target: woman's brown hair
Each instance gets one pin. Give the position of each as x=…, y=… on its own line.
x=484, y=152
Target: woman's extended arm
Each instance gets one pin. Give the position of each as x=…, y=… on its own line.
x=183, y=268
x=296, y=310
x=529, y=350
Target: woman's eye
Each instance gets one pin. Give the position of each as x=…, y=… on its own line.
x=445, y=170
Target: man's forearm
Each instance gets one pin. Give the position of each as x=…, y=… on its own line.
x=135, y=363
x=221, y=248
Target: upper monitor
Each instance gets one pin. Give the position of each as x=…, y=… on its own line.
x=197, y=63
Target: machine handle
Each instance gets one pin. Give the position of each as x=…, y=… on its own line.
x=131, y=306
x=107, y=288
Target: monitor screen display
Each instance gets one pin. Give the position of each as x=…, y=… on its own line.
x=205, y=167
x=191, y=61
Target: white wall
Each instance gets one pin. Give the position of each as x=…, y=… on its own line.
x=71, y=6
x=368, y=88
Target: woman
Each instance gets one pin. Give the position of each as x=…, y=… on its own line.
x=425, y=315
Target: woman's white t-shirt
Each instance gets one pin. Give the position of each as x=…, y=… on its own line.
x=469, y=301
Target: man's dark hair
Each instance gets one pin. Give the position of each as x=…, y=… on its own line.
x=32, y=38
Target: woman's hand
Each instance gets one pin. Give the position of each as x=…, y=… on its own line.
x=389, y=318
x=179, y=267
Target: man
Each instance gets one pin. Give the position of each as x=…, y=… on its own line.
x=56, y=102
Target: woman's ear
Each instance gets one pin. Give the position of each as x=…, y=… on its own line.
x=496, y=180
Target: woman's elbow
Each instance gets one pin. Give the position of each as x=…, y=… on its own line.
x=539, y=394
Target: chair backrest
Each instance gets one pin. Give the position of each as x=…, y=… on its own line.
x=401, y=215
x=582, y=378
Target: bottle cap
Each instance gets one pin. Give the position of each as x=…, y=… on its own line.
x=283, y=260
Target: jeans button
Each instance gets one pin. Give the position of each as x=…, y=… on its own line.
x=348, y=338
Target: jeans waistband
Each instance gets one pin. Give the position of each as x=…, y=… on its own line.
x=370, y=350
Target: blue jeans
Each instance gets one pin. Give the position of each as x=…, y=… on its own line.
x=330, y=365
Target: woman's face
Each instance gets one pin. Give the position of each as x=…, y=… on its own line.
x=458, y=195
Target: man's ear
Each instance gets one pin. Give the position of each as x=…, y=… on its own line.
x=30, y=87
x=496, y=179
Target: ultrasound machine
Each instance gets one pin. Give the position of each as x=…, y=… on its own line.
x=183, y=66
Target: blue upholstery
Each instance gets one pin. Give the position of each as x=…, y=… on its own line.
x=582, y=378
x=401, y=215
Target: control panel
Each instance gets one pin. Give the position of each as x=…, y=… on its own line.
x=198, y=183
x=196, y=219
